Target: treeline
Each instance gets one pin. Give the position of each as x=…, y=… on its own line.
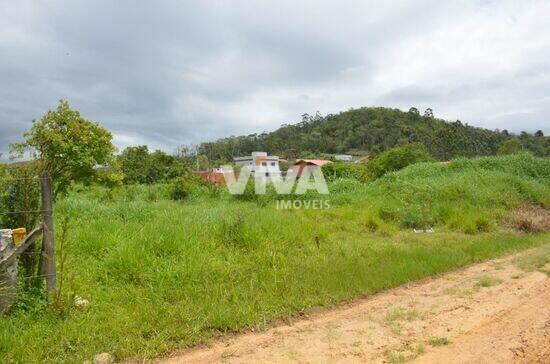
x=373, y=130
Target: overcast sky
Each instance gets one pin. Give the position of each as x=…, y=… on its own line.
x=164, y=73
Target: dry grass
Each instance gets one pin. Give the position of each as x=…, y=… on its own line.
x=531, y=219
x=487, y=281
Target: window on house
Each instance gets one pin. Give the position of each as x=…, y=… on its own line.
x=273, y=164
x=264, y=164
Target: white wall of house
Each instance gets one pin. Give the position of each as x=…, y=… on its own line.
x=343, y=157
x=260, y=164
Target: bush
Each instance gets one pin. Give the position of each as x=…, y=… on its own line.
x=371, y=224
x=336, y=170
x=181, y=188
x=397, y=158
x=109, y=179
x=388, y=214
x=410, y=219
x=483, y=224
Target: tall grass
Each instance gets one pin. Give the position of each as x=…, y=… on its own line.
x=161, y=274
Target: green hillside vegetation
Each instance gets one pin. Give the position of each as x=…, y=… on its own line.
x=372, y=130
x=161, y=274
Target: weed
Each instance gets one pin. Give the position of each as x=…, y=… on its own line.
x=483, y=224
x=371, y=224
x=402, y=314
x=396, y=357
x=438, y=341
x=232, y=231
x=388, y=214
x=405, y=354
x=487, y=281
x=535, y=260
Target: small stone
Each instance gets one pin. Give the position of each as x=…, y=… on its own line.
x=104, y=358
x=81, y=302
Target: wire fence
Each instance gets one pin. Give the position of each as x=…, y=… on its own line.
x=6, y=179
x=30, y=196
x=25, y=212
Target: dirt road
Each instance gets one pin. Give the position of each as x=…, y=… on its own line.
x=486, y=313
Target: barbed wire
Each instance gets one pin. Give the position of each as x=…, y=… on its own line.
x=31, y=253
x=23, y=178
x=30, y=277
x=37, y=276
x=26, y=212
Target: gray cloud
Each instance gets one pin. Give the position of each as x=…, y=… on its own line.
x=184, y=72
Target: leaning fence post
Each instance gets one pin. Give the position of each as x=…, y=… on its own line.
x=8, y=272
x=48, y=243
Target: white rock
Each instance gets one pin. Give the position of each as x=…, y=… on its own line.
x=81, y=302
x=104, y=358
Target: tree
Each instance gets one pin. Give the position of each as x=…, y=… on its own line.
x=163, y=167
x=509, y=146
x=539, y=134
x=429, y=113
x=365, y=129
x=414, y=110
x=66, y=146
x=135, y=163
x=140, y=166
x=203, y=164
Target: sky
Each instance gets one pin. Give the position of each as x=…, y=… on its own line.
x=166, y=73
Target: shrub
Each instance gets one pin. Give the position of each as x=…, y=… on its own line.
x=410, y=219
x=181, y=188
x=483, y=224
x=510, y=146
x=388, y=214
x=397, y=158
x=343, y=185
x=371, y=224
x=336, y=170
x=109, y=179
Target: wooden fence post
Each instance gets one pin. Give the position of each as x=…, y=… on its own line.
x=48, y=244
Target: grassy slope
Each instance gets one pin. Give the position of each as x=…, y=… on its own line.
x=161, y=274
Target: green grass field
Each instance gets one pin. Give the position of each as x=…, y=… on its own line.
x=161, y=274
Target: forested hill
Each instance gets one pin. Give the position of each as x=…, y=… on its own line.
x=370, y=130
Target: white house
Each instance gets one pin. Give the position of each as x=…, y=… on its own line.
x=343, y=157
x=260, y=164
